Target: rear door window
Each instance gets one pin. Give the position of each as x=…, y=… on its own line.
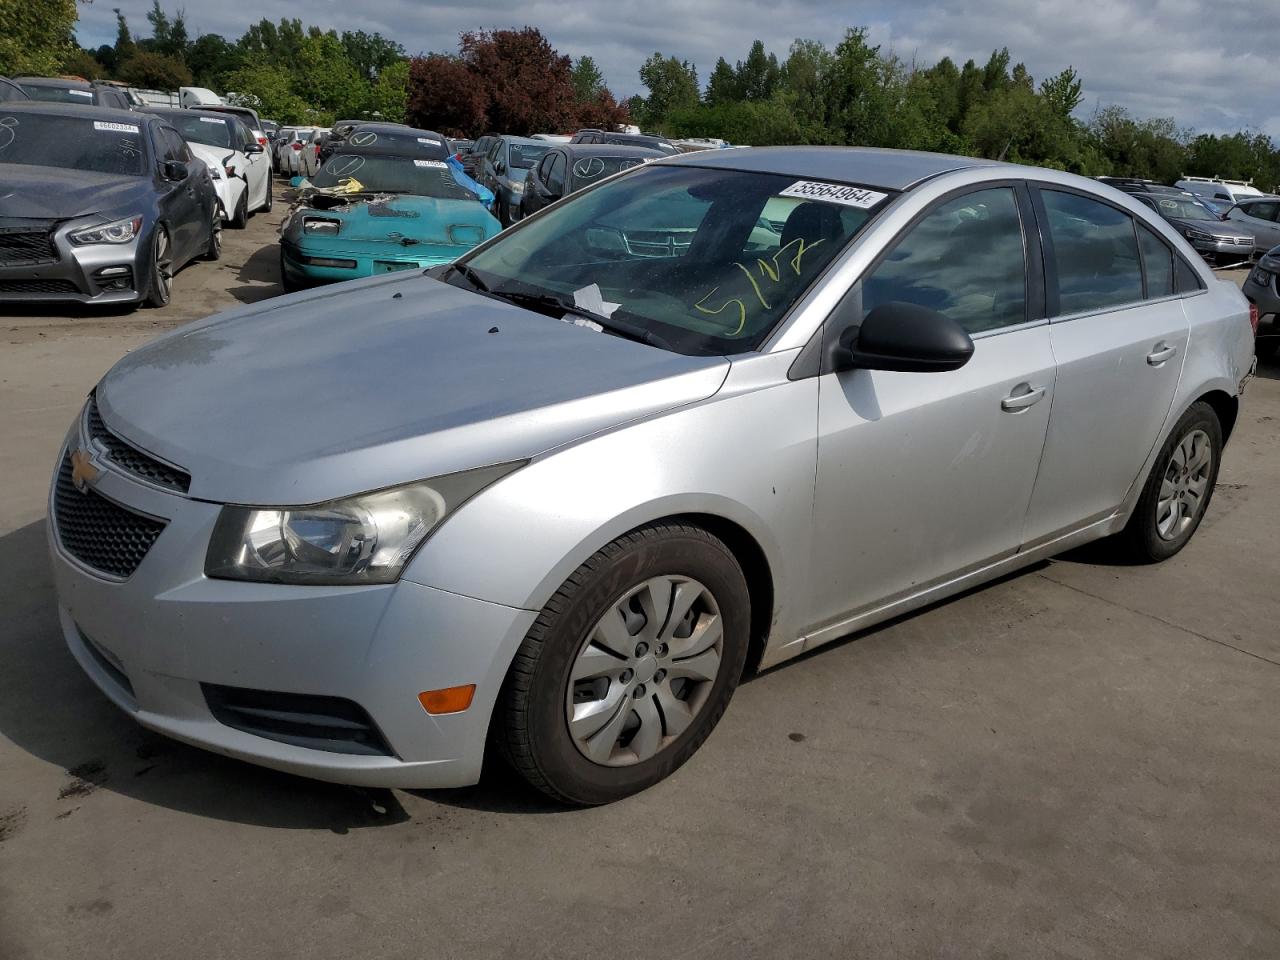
x=555, y=175
x=1095, y=253
x=1157, y=262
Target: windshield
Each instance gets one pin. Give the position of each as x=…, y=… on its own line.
x=245, y=116
x=427, y=145
x=590, y=169
x=525, y=155
x=95, y=146
x=421, y=178
x=68, y=94
x=1183, y=209
x=212, y=131
x=707, y=261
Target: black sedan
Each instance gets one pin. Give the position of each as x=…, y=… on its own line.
x=572, y=166
x=98, y=206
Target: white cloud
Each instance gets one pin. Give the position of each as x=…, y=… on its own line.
x=1205, y=67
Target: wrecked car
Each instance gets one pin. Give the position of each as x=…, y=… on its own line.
x=364, y=215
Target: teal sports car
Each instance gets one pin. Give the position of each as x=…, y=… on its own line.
x=363, y=215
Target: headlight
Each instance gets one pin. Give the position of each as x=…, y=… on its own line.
x=363, y=539
x=517, y=186
x=118, y=231
x=1197, y=235
x=323, y=226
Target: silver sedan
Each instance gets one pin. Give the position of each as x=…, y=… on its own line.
x=697, y=419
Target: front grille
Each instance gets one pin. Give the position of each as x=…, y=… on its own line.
x=99, y=533
x=133, y=460
x=301, y=719
x=38, y=286
x=24, y=247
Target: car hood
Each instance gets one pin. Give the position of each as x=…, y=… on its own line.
x=1217, y=228
x=52, y=193
x=323, y=394
x=446, y=222
x=214, y=156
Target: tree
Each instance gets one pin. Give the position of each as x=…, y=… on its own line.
x=588, y=81
x=371, y=53
x=722, y=85
x=602, y=112
x=527, y=85
x=389, y=94
x=125, y=47
x=673, y=85
x=1062, y=92
x=36, y=37
x=154, y=71
x=267, y=88
x=757, y=77
x=82, y=63
x=211, y=58
x=443, y=95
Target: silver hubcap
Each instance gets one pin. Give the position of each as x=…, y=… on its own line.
x=1184, y=486
x=217, y=230
x=645, y=670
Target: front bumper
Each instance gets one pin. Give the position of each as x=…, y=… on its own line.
x=150, y=641
x=1262, y=290
x=361, y=264
x=1224, y=249
x=103, y=273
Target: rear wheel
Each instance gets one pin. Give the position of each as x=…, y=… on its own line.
x=628, y=668
x=1179, y=488
x=160, y=286
x=266, y=207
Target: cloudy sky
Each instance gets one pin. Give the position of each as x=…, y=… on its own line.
x=1206, y=66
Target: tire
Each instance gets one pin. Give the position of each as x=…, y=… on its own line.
x=240, y=219
x=290, y=286
x=213, y=250
x=1152, y=533
x=602, y=607
x=159, y=284
x=266, y=207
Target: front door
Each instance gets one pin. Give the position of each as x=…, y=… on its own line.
x=1119, y=335
x=922, y=476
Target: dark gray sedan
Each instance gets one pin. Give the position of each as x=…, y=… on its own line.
x=98, y=206
x=1214, y=239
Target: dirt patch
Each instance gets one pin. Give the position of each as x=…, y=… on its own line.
x=85, y=778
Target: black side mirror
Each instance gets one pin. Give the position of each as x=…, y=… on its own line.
x=253, y=147
x=905, y=337
x=173, y=170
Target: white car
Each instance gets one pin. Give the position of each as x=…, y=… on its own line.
x=239, y=165
x=298, y=156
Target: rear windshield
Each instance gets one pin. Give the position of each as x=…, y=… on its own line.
x=421, y=178
x=525, y=155
x=245, y=116
x=67, y=94
x=96, y=146
x=590, y=169
x=212, y=131
x=403, y=143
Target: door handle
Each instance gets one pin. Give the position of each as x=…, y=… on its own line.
x=1023, y=396
x=1161, y=353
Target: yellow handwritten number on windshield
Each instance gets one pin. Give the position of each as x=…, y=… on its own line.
x=768, y=268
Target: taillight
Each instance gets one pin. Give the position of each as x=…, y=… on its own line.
x=231, y=171
x=1253, y=317
x=317, y=149
x=297, y=146
x=263, y=141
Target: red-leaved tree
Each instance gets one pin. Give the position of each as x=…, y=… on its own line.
x=444, y=96
x=602, y=112
x=528, y=85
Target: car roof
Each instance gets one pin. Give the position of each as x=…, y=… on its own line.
x=163, y=112
x=76, y=111
x=868, y=166
x=537, y=143
x=69, y=82
x=608, y=150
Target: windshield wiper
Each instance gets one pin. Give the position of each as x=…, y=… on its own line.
x=617, y=327
x=466, y=270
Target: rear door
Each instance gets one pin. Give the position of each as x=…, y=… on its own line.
x=1119, y=336
x=925, y=476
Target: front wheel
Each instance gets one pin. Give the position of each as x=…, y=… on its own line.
x=628, y=668
x=240, y=218
x=1179, y=488
x=161, y=283
x=213, y=250
x=266, y=207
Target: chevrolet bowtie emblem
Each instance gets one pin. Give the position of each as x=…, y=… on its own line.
x=83, y=472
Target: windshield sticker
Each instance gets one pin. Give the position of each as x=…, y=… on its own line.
x=590, y=298
x=213, y=120
x=363, y=139
x=115, y=127
x=81, y=93
x=833, y=193
x=432, y=140
x=430, y=163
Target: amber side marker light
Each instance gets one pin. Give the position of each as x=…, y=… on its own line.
x=448, y=700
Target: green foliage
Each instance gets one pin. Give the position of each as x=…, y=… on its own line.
x=268, y=89
x=588, y=80
x=155, y=71
x=673, y=85
x=35, y=37
x=82, y=63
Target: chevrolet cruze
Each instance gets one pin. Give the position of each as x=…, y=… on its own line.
x=698, y=418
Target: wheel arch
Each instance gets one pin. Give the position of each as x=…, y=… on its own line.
x=1225, y=406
